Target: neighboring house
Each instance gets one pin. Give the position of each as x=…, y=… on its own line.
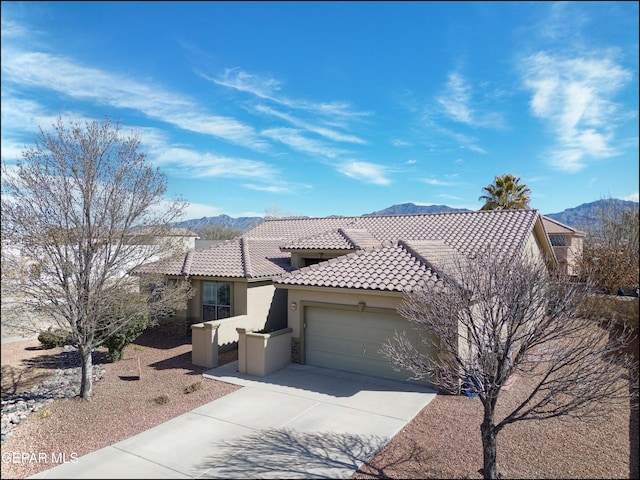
x=336, y=282
x=567, y=244
x=181, y=239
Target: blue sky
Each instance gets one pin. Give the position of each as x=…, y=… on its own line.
x=340, y=108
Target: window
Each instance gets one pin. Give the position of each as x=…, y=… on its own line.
x=557, y=240
x=216, y=301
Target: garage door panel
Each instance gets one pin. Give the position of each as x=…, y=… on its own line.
x=351, y=340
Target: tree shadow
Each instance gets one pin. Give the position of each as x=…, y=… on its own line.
x=285, y=453
x=162, y=337
x=17, y=380
x=63, y=359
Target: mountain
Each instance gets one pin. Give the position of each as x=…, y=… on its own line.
x=582, y=217
x=586, y=216
x=242, y=223
x=413, y=209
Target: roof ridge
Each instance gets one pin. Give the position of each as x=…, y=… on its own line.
x=244, y=256
x=414, y=253
x=347, y=238
x=553, y=220
x=431, y=214
x=186, y=265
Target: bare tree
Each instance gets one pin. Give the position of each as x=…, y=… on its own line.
x=82, y=209
x=274, y=211
x=611, y=249
x=494, y=317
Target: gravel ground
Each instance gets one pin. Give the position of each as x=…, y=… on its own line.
x=121, y=406
x=442, y=441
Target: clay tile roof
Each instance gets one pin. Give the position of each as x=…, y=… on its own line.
x=390, y=267
x=435, y=253
x=427, y=237
x=360, y=237
x=332, y=240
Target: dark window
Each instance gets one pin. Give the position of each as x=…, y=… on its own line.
x=558, y=241
x=216, y=301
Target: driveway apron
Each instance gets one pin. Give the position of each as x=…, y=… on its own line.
x=299, y=422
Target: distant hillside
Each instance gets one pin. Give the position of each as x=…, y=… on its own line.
x=585, y=216
x=242, y=223
x=413, y=209
x=581, y=217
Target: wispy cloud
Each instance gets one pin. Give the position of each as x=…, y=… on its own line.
x=455, y=101
x=438, y=183
x=575, y=96
x=294, y=139
x=269, y=89
x=365, y=172
x=325, y=132
x=457, y=104
x=65, y=76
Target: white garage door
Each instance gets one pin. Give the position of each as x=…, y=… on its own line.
x=350, y=340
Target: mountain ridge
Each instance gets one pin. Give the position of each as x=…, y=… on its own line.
x=580, y=217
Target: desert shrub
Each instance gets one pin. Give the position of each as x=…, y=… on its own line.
x=162, y=399
x=118, y=341
x=621, y=310
x=194, y=387
x=52, y=338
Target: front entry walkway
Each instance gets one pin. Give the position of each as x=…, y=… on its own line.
x=299, y=422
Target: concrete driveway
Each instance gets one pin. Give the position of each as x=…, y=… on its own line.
x=299, y=422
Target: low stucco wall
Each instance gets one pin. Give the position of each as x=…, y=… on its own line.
x=210, y=338
x=261, y=354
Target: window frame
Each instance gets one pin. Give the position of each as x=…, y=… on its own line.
x=216, y=306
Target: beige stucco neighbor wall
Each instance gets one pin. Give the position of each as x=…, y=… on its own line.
x=570, y=255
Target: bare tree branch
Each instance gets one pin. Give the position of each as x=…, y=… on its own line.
x=80, y=211
x=496, y=317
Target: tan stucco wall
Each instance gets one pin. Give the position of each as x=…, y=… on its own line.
x=263, y=354
x=259, y=300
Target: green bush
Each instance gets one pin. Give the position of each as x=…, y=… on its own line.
x=118, y=341
x=53, y=338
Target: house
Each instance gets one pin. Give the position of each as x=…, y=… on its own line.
x=567, y=244
x=336, y=282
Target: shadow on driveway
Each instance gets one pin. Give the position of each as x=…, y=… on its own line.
x=284, y=453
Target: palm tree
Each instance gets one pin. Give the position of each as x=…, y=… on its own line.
x=505, y=194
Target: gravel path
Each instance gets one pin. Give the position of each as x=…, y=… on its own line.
x=443, y=441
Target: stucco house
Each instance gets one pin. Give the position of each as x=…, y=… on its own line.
x=335, y=283
x=567, y=243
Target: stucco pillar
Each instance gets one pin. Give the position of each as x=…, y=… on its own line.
x=242, y=348
x=204, y=344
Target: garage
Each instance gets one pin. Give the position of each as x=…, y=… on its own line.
x=349, y=339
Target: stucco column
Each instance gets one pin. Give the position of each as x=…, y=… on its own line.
x=204, y=344
x=242, y=348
